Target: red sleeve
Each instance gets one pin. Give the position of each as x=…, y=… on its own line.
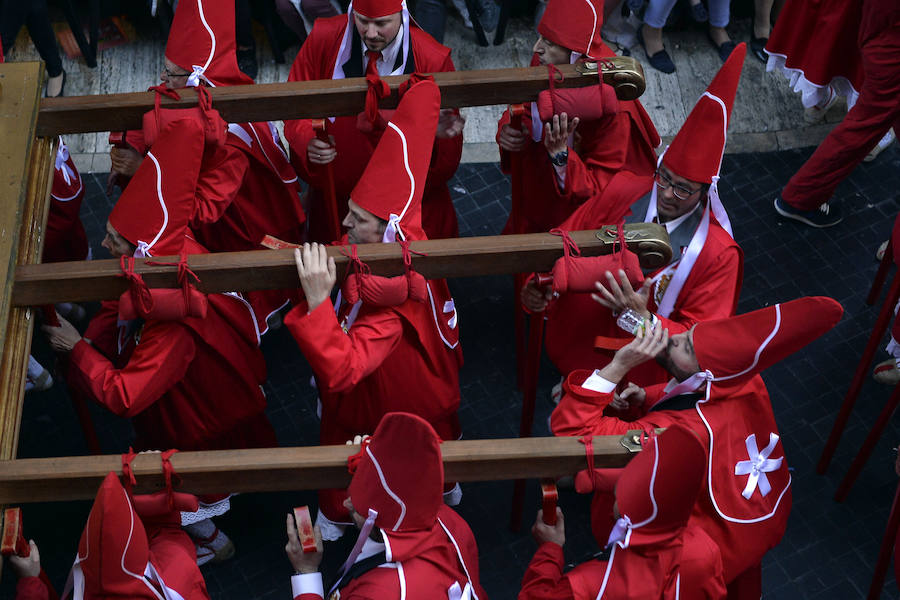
x=544, y=579
x=580, y=411
x=103, y=328
x=221, y=176
x=31, y=588
x=341, y=360
x=299, y=132
x=505, y=165
x=712, y=293
x=159, y=361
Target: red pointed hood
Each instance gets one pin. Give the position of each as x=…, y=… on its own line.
x=201, y=40
x=735, y=349
x=574, y=24
x=374, y=9
x=400, y=475
x=113, y=552
x=658, y=488
x=154, y=211
x=391, y=186
x=697, y=150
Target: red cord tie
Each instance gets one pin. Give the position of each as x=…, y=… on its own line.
x=168, y=473
x=552, y=72
x=354, y=459
x=588, y=442
x=127, y=471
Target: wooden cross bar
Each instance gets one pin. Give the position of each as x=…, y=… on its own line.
x=306, y=99
x=310, y=467
x=274, y=269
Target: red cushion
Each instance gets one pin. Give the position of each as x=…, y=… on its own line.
x=587, y=103
x=579, y=273
x=164, y=305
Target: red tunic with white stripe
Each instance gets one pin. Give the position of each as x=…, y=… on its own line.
x=65, y=238
x=427, y=568
x=744, y=528
x=709, y=292
x=316, y=60
x=405, y=358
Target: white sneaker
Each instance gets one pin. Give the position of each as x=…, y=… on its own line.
x=817, y=112
x=887, y=373
x=882, y=145
x=216, y=548
x=879, y=254
x=37, y=378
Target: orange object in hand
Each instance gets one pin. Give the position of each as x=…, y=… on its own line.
x=305, y=529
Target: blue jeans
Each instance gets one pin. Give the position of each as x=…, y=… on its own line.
x=658, y=11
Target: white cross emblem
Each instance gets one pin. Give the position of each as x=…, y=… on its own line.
x=758, y=465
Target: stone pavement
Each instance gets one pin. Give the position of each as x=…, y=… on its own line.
x=829, y=549
x=767, y=115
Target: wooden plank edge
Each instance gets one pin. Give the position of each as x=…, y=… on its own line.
x=299, y=468
x=275, y=269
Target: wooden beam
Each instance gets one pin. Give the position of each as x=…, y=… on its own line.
x=275, y=269
x=299, y=99
x=283, y=469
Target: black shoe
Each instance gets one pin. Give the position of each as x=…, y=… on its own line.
x=246, y=60
x=699, y=13
x=661, y=61
x=758, y=48
x=824, y=216
x=724, y=49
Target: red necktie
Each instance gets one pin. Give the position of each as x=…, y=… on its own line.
x=372, y=67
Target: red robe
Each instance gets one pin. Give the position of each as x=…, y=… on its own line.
x=710, y=291
x=390, y=359
x=192, y=384
x=31, y=588
x=625, y=141
x=422, y=564
x=316, y=61
x=743, y=528
x=65, y=238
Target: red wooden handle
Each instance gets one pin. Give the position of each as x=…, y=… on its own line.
x=543, y=279
x=305, y=529
x=549, y=495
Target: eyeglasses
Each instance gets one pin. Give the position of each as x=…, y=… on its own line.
x=171, y=75
x=681, y=192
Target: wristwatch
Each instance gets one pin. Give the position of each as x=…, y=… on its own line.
x=560, y=158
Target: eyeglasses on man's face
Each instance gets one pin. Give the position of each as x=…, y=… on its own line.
x=664, y=182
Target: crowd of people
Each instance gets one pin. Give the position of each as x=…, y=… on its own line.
x=691, y=516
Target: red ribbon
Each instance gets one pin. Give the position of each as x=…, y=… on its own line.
x=552, y=72
x=168, y=473
x=588, y=442
x=127, y=472
x=377, y=89
x=354, y=459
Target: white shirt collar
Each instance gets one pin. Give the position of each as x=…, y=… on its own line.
x=388, y=56
x=671, y=225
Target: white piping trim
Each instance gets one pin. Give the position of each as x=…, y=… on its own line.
x=402, y=577
x=237, y=296
x=435, y=315
x=758, y=350
x=652, y=495
x=388, y=490
x=388, y=553
x=162, y=202
x=587, y=49
x=709, y=474
x=194, y=78
x=412, y=180
x=128, y=542
x=609, y=564
x=460, y=556
x=678, y=587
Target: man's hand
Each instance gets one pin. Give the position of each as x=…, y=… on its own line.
x=534, y=298
x=631, y=397
x=511, y=139
x=319, y=152
x=317, y=273
x=357, y=440
x=450, y=124
x=541, y=532
x=29, y=566
x=124, y=161
x=644, y=347
x=618, y=297
x=303, y=562
x=557, y=132
x=62, y=338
